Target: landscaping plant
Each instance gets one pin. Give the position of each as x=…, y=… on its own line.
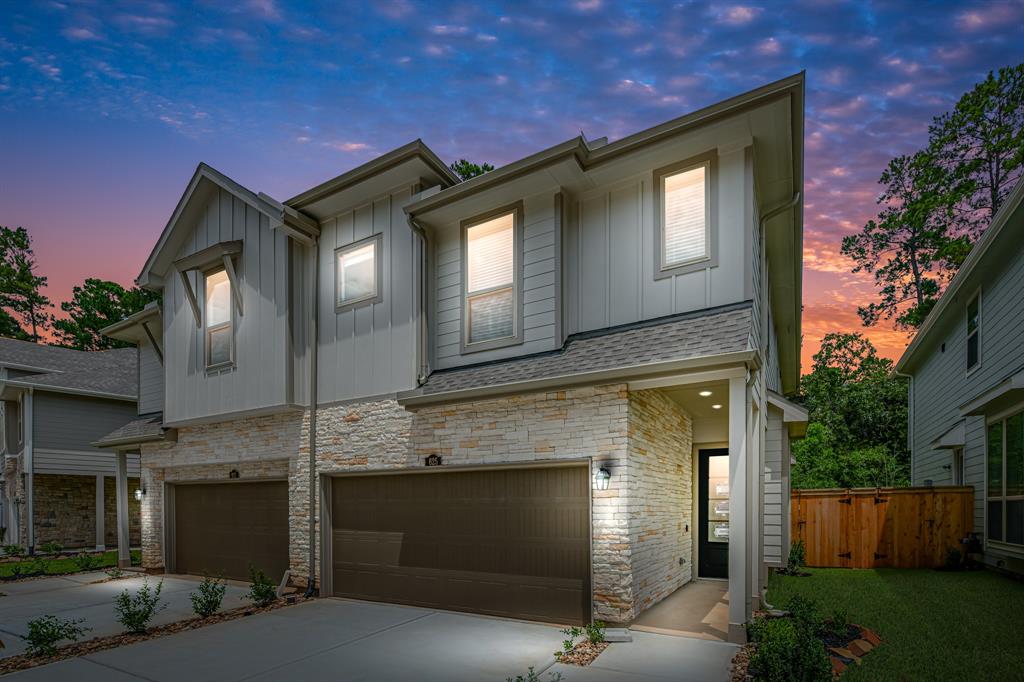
x=262, y=591
x=790, y=649
x=51, y=547
x=207, y=598
x=568, y=644
x=135, y=612
x=532, y=676
x=595, y=632
x=44, y=633
x=87, y=562
x=13, y=550
x=795, y=562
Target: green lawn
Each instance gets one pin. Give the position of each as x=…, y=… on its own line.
x=68, y=565
x=935, y=625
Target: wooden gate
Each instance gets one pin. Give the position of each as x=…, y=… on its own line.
x=881, y=527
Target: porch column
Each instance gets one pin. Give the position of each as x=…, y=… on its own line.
x=101, y=541
x=739, y=582
x=124, y=557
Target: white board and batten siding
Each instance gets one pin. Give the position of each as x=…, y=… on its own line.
x=370, y=349
x=260, y=379
x=941, y=382
x=64, y=426
x=541, y=275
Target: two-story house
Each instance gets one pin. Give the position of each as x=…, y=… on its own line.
x=966, y=369
x=551, y=392
x=55, y=485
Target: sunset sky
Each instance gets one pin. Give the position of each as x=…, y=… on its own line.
x=107, y=107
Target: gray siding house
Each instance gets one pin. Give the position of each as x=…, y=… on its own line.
x=56, y=485
x=966, y=369
x=554, y=391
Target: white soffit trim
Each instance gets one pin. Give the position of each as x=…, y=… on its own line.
x=955, y=437
x=791, y=412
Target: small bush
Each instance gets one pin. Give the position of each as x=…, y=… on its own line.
x=135, y=612
x=44, y=633
x=595, y=632
x=28, y=569
x=568, y=644
x=837, y=626
x=114, y=572
x=795, y=562
x=51, y=547
x=13, y=550
x=262, y=591
x=87, y=562
x=805, y=612
x=207, y=598
x=532, y=676
x=787, y=651
x=954, y=559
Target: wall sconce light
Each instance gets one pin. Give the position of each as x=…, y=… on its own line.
x=601, y=479
x=138, y=494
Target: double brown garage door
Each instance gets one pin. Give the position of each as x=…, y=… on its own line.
x=505, y=542
x=222, y=528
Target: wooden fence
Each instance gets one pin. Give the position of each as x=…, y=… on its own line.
x=881, y=527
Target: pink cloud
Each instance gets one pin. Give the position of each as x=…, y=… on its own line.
x=738, y=15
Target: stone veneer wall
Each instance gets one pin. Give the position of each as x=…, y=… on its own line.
x=660, y=478
x=65, y=511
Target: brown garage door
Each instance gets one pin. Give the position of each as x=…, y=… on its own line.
x=221, y=528
x=505, y=542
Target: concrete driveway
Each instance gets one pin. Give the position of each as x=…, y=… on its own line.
x=85, y=595
x=341, y=640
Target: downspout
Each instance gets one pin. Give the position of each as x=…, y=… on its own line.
x=27, y=417
x=422, y=364
x=314, y=342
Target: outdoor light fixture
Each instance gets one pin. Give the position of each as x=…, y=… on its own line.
x=716, y=406
x=138, y=495
x=704, y=394
x=601, y=479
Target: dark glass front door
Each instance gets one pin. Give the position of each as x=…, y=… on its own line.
x=713, y=514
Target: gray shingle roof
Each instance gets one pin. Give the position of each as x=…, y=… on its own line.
x=141, y=430
x=680, y=337
x=111, y=372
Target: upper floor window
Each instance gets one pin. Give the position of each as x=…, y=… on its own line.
x=218, y=321
x=357, y=273
x=491, y=293
x=1004, y=509
x=684, y=216
x=973, y=332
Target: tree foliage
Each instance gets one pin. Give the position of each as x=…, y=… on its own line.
x=858, y=418
x=94, y=305
x=937, y=202
x=467, y=169
x=26, y=310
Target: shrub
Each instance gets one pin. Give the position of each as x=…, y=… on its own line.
x=532, y=676
x=568, y=644
x=44, y=633
x=787, y=651
x=207, y=598
x=954, y=559
x=51, y=547
x=262, y=591
x=837, y=626
x=87, y=562
x=28, y=569
x=595, y=632
x=795, y=562
x=135, y=611
x=13, y=550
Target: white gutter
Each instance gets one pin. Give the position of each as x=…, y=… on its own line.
x=29, y=464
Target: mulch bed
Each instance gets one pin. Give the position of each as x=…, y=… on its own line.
x=843, y=652
x=583, y=653
x=24, y=661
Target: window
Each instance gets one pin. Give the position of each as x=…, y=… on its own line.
x=1005, y=493
x=684, y=216
x=973, y=332
x=958, y=466
x=218, y=319
x=357, y=272
x=491, y=266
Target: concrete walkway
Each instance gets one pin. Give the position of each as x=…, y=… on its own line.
x=655, y=658
x=85, y=595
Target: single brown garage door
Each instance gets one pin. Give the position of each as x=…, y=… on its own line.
x=221, y=528
x=505, y=542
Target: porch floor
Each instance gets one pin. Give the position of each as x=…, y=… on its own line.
x=699, y=608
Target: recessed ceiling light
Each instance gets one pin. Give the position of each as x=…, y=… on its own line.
x=716, y=407
x=704, y=394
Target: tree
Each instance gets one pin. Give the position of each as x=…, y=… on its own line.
x=94, y=305
x=908, y=248
x=20, y=288
x=862, y=409
x=980, y=144
x=821, y=463
x=466, y=169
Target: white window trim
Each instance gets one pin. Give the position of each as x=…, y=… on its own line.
x=709, y=161
x=957, y=465
x=977, y=332
x=230, y=324
x=516, y=338
x=1009, y=547
x=378, y=264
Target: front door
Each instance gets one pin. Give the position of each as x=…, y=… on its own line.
x=713, y=514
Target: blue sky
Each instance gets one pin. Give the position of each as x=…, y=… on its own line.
x=106, y=107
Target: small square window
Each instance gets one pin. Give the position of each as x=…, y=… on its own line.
x=357, y=272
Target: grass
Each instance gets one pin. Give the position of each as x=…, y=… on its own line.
x=65, y=565
x=935, y=625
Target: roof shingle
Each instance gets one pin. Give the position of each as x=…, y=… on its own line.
x=112, y=372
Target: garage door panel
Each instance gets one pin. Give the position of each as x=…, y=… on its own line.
x=510, y=542
x=222, y=528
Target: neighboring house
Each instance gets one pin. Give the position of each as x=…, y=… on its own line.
x=553, y=391
x=58, y=487
x=966, y=369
